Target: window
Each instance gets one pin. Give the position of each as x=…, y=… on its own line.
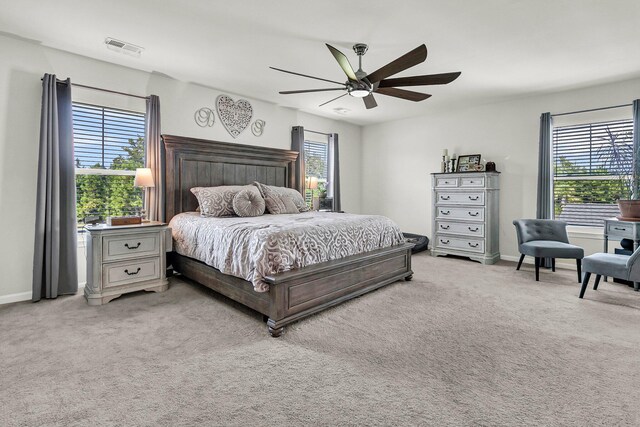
x=316, y=166
x=592, y=169
x=109, y=146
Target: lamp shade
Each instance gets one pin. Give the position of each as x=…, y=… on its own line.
x=143, y=178
x=312, y=183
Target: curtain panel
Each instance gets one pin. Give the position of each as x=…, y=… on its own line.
x=154, y=159
x=334, y=172
x=636, y=148
x=297, y=144
x=55, y=269
x=545, y=198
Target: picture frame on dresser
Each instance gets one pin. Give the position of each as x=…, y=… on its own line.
x=467, y=162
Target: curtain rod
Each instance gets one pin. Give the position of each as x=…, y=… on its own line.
x=103, y=90
x=593, y=109
x=319, y=133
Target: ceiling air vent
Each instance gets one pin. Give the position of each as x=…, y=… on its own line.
x=123, y=47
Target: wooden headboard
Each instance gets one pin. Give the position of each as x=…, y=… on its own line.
x=191, y=162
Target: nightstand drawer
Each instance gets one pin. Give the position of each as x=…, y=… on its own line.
x=130, y=246
x=615, y=229
x=470, y=198
x=122, y=273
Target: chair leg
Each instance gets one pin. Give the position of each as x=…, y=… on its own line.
x=520, y=262
x=585, y=282
x=537, y=263
x=553, y=265
x=595, y=285
x=579, y=266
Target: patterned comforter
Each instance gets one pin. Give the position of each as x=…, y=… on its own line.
x=252, y=248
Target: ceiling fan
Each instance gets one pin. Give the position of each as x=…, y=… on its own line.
x=363, y=85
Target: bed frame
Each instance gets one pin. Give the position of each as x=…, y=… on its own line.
x=294, y=294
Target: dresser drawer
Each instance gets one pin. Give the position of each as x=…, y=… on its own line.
x=467, y=214
x=449, y=182
x=130, y=246
x=470, y=182
x=125, y=272
x=467, y=198
x=460, y=243
x=464, y=229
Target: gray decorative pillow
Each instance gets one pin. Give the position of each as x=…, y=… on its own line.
x=277, y=203
x=292, y=193
x=248, y=202
x=218, y=201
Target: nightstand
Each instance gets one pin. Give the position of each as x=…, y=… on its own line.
x=123, y=259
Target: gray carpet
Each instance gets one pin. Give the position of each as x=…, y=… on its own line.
x=462, y=344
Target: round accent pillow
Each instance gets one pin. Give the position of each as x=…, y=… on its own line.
x=248, y=203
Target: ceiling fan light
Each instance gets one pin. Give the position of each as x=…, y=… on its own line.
x=359, y=93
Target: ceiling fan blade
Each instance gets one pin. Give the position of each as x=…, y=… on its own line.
x=344, y=63
x=415, y=57
x=311, y=77
x=404, y=94
x=331, y=100
x=287, y=92
x=370, y=101
x=431, y=79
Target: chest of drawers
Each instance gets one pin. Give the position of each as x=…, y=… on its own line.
x=465, y=215
x=122, y=259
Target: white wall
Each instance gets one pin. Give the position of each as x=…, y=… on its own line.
x=399, y=156
x=23, y=64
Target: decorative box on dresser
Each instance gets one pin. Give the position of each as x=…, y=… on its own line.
x=127, y=258
x=465, y=215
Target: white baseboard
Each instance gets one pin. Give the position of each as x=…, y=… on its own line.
x=26, y=296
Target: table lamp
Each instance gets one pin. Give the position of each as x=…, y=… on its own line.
x=312, y=184
x=144, y=180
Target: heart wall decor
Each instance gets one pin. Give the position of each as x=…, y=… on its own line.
x=235, y=116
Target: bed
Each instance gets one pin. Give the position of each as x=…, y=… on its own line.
x=291, y=295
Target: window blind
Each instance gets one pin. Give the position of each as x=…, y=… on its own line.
x=593, y=168
x=101, y=133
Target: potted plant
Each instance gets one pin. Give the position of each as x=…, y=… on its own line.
x=617, y=155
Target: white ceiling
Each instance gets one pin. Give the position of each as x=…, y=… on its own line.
x=504, y=48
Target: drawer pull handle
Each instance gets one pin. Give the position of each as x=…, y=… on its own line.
x=445, y=197
x=473, y=230
x=474, y=214
x=444, y=227
x=446, y=182
x=126, y=245
x=474, y=198
x=473, y=245
x=444, y=242
x=618, y=228
x=472, y=182
x=445, y=213
x=133, y=273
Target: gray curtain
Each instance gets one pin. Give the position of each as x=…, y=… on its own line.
x=55, y=268
x=636, y=149
x=297, y=144
x=154, y=159
x=544, y=205
x=334, y=172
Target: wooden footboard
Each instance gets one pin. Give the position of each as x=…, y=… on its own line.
x=298, y=293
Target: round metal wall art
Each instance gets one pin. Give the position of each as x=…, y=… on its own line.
x=257, y=128
x=205, y=117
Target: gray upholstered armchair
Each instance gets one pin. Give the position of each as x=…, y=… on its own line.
x=612, y=265
x=546, y=238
